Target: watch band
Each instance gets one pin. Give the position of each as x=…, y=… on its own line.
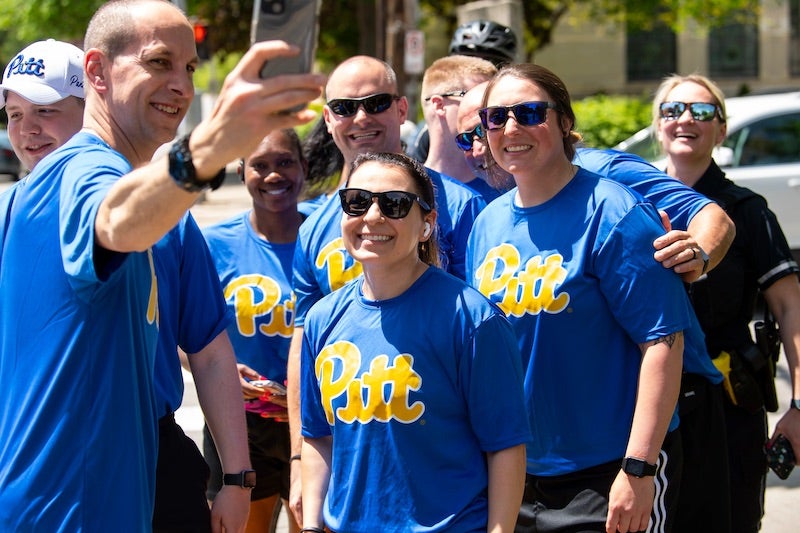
x=795, y=403
x=638, y=467
x=181, y=168
x=245, y=479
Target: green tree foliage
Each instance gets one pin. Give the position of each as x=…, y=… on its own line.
x=603, y=121
x=345, y=24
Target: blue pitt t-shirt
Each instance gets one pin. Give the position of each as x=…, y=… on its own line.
x=414, y=390
x=256, y=278
x=78, y=426
x=577, y=279
x=681, y=203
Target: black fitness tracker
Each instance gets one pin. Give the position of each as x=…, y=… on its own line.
x=182, y=170
x=638, y=467
x=245, y=479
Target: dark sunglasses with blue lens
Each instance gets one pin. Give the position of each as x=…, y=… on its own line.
x=525, y=113
x=465, y=138
x=393, y=204
x=373, y=104
x=700, y=111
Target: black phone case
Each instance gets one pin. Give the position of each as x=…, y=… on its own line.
x=780, y=457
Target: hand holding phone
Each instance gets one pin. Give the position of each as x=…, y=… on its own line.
x=780, y=457
x=272, y=386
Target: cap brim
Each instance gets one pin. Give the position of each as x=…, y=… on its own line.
x=36, y=93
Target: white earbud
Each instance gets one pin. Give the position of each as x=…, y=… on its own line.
x=427, y=229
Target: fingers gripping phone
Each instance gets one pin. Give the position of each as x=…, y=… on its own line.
x=780, y=457
x=273, y=386
x=293, y=21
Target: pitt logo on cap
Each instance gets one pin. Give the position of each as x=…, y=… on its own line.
x=31, y=66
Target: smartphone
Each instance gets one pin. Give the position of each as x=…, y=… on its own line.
x=273, y=386
x=780, y=457
x=293, y=21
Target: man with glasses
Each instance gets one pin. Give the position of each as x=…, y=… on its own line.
x=470, y=141
x=444, y=85
x=79, y=309
x=363, y=114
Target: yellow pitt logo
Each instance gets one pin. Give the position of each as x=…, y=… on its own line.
x=332, y=258
x=381, y=393
x=531, y=289
x=254, y=296
x=152, y=303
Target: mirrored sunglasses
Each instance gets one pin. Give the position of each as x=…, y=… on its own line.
x=525, y=113
x=465, y=139
x=393, y=204
x=700, y=111
x=373, y=104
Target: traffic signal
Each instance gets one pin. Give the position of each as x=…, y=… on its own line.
x=201, y=41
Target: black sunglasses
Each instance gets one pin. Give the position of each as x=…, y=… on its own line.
x=393, y=204
x=374, y=104
x=464, y=139
x=450, y=94
x=701, y=111
x=525, y=113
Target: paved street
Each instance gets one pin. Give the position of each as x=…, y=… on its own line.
x=783, y=497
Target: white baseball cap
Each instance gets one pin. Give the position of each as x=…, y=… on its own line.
x=44, y=73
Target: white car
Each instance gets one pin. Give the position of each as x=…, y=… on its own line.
x=761, y=152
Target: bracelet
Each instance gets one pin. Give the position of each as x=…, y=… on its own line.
x=294, y=458
x=312, y=530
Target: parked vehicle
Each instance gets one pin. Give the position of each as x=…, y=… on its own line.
x=761, y=152
x=9, y=163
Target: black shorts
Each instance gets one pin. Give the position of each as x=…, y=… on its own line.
x=705, y=482
x=269, y=454
x=578, y=502
x=181, y=479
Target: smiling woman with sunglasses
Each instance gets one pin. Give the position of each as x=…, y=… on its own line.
x=412, y=408
x=759, y=261
x=568, y=256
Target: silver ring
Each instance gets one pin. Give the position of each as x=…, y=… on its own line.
x=694, y=254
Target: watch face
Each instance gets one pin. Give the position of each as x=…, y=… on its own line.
x=637, y=467
x=249, y=479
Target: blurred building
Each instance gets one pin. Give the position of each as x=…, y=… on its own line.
x=598, y=56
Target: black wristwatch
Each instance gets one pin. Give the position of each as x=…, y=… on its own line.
x=638, y=467
x=245, y=479
x=795, y=404
x=182, y=170
x=705, y=258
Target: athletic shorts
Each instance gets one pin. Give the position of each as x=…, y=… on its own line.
x=269, y=454
x=181, y=479
x=578, y=502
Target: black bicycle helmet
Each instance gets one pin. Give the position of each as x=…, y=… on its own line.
x=486, y=39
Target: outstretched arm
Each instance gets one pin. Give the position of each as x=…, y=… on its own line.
x=143, y=205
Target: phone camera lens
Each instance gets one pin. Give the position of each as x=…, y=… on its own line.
x=277, y=7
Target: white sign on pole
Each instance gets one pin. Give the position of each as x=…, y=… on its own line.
x=414, y=52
